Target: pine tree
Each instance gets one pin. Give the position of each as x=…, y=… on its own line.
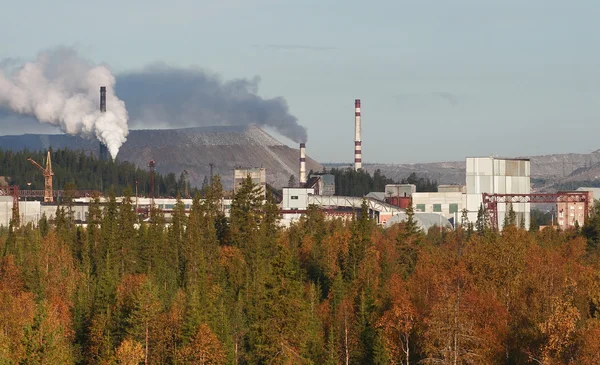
x=411, y=228
x=245, y=223
x=409, y=237
x=145, y=309
x=292, y=181
x=127, y=248
x=108, y=268
x=44, y=225
x=176, y=236
x=362, y=228
x=510, y=218
x=482, y=225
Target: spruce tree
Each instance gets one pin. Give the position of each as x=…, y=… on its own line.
x=127, y=247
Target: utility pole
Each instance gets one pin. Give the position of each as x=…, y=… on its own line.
x=211, y=171
x=151, y=165
x=137, y=212
x=25, y=216
x=185, y=184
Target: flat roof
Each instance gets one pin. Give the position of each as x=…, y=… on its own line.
x=504, y=158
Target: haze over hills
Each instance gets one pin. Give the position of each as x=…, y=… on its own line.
x=548, y=172
x=191, y=149
x=229, y=147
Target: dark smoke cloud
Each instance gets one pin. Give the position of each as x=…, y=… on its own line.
x=164, y=96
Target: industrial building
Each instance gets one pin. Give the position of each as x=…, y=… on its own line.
x=491, y=175
x=448, y=204
x=296, y=199
x=32, y=211
x=484, y=175
x=323, y=184
x=425, y=221
x=572, y=213
x=258, y=176
x=29, y=211
x=492, y=183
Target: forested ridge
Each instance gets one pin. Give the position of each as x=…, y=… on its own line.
x=210, y=290
x=84, y=171
x=350, y=182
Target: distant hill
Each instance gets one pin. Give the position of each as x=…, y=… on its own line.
x=191, y=149
x=548, y=172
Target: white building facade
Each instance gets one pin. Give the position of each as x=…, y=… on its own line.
x=449, y=204
x=498, y=176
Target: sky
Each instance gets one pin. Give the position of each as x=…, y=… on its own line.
x=438, y=80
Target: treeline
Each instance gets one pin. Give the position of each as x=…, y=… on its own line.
x=86, y=172
x=574, y=185
x=349, y=182
x=242, y=290
x=423, y=184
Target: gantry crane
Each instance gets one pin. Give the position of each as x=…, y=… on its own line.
x=48, y=173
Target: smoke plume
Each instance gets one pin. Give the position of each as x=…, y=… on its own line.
x=63, y=89
x=164, y=96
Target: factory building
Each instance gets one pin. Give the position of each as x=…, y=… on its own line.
x=29, y=211
x=449, y=204
x=32, y=211
x=493, y=175
x=295, y=199
x=323, y=184
x=570, y=214
x=258, y=176
x=425, y=221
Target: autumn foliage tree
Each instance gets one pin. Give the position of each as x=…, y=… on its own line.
x=197, y=286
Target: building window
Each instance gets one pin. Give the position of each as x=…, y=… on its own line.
x=437, y=208
x=295, y=197
x=420, y=207
x=453, y=208
x=572, y=207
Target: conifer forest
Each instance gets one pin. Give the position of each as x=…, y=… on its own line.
x=206, y=289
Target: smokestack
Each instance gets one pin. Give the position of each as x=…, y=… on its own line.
x=103, y=148
x=302, y=164
x=103, y=99
x=357, y=138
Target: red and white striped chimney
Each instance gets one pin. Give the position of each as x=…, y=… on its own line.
x=357, y=138
x=302, y=177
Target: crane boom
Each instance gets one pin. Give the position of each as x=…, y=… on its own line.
x=36, y=165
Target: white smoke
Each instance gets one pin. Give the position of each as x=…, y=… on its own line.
x=63, y=89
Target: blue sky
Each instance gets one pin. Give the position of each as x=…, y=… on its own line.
x=439, y=80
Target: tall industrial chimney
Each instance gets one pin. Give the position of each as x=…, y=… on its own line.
x=103, y=148
x=357, y=138
x=103, y=99
x=302, y=176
